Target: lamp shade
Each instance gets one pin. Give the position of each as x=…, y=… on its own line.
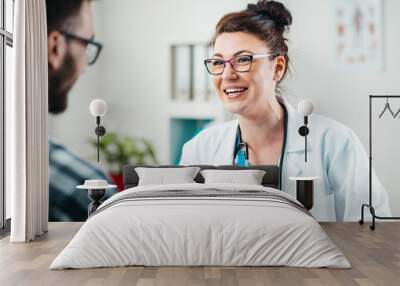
x=305, y=107
x=98, y=107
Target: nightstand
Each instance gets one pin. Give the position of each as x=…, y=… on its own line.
x=305, y=190
x=96, y=190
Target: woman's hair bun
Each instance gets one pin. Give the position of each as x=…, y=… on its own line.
x=273, y=10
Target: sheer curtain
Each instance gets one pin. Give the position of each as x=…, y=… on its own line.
x=26, y=124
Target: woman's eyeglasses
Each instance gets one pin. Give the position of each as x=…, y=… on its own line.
x=93, y=48
x=241, y=63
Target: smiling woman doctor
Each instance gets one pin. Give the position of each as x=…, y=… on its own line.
x=250, y=60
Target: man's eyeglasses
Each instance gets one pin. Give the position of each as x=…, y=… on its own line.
x=93, y=48
x=241, y=63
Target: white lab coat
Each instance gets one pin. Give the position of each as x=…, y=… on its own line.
x=335, y=154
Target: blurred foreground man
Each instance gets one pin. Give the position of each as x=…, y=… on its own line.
x=71, y=48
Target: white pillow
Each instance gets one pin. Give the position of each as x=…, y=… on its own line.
x=248, y=177
x=165, y=176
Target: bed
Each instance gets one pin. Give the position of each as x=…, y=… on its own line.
x=201, y=224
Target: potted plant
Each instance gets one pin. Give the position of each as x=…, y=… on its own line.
x=119, y=151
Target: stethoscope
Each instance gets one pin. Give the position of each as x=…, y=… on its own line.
x=245, y=147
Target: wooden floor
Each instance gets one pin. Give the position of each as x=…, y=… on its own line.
x=374, y=255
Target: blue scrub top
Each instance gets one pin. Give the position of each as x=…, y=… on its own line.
x=239, y=155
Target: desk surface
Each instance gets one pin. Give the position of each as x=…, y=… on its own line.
x=374, y=255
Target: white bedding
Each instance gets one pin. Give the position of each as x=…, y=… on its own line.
x=188, y=230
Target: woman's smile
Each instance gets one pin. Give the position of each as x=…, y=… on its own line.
x=235, y=92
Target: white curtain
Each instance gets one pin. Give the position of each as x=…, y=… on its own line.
x=26, y=124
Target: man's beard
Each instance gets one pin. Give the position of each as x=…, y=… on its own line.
x=60, y=83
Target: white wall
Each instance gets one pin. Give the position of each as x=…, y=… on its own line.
x=133, y=73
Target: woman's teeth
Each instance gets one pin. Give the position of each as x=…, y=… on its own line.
x=234, y=91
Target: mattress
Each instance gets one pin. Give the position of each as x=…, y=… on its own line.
x=201, y=225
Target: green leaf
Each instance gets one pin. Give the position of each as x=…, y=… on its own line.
x=118, y=151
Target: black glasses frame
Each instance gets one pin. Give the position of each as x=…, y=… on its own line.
x=251, y=57
x=86, y=42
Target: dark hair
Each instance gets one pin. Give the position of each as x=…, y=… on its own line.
x=61, y=13
x=267, y=20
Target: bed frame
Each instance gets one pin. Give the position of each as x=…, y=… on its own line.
x=270, y=179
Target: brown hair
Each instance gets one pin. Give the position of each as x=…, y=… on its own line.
x=267, y=20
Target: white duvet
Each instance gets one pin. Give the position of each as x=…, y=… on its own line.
x=207, y=230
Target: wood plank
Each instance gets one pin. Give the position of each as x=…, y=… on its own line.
x=375, y=257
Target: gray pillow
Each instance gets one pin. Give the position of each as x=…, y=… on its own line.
x=248, y=177
x=165, y=176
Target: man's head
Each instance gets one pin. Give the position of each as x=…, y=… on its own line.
x=69, y=26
